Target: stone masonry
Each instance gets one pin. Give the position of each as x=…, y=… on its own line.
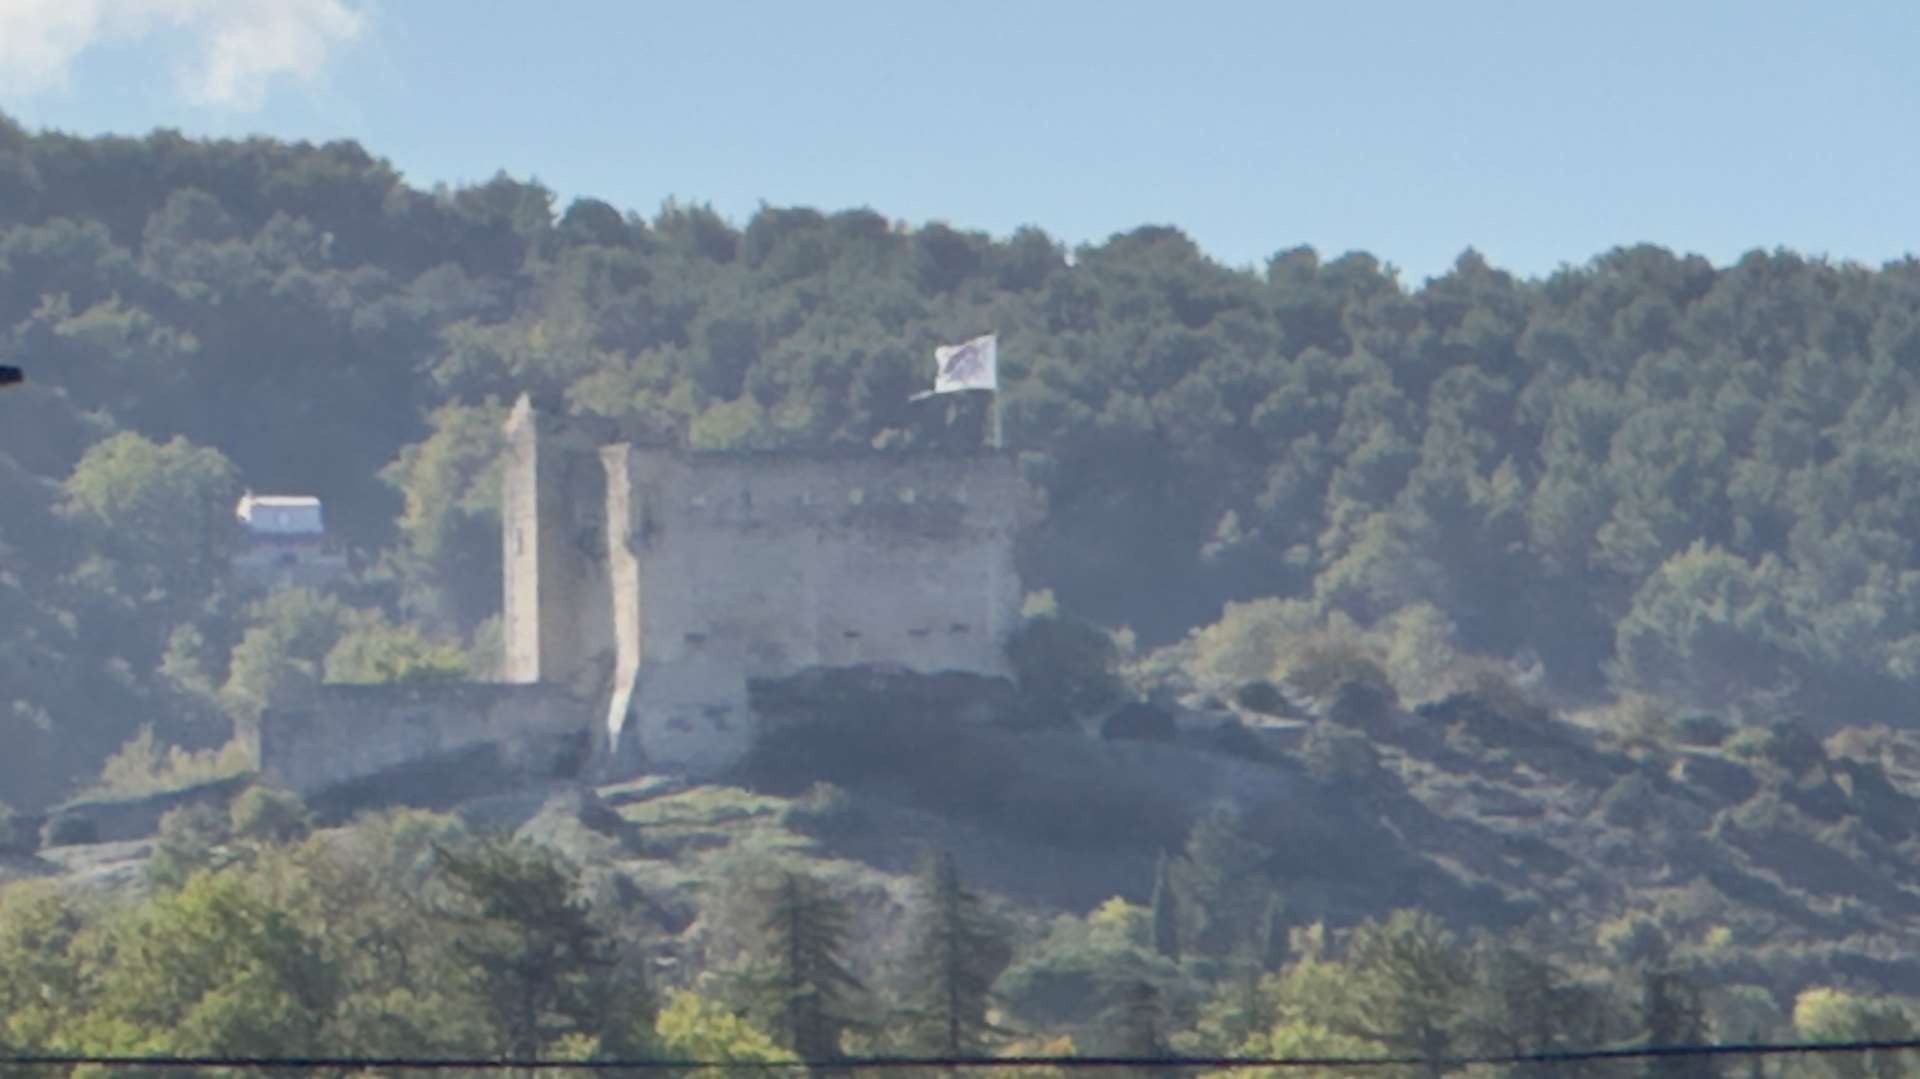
x=659, y=581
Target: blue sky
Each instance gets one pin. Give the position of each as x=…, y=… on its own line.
x=1539, y=133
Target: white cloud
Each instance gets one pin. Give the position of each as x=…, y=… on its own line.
x=236, y=47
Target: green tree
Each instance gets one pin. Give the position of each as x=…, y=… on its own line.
x=450, y=524
x=540, y=970
x=1673, y=1013
x=1221, y=883
x=375, y=652
x=957, y=951
x=1166, y=910
x=267, y=815
x=283, y=650
x=160, y=517
x=1138, y=1027
x=192, y=838
x=691, y=1027
x=1400, y=986
x=1824, y=1014
x=212, y=969
x=1526, y=1002
x=1065, y=666
x=802, y=980
x=49, y=986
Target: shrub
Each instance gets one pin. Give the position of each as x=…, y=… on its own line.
x=142, y=766
x=15, y=836
x=1249, y=640
x=1337, y=755
x=1700, y=729
x=825, y=809
x=190, y=839
x=1752, y=744
x=268, y=815
x=1066, y=667
x=1265, y=698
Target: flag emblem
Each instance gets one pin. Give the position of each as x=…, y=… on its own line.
x=968, y=366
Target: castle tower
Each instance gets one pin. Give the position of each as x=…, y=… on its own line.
x=556, y=616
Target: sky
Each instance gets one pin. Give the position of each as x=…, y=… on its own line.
x=1539, y=134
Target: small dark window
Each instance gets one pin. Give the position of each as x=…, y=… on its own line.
x=851, y=634
x=918, y=632
x=959, y=627
x=696, y=638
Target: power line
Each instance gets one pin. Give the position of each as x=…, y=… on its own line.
x=1567, y=1056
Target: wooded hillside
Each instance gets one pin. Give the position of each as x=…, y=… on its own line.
x=1656, y=475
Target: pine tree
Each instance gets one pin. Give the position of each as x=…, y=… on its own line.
x=1137, y=1025
x=1527, y=1002
x=1222, y=885
x=541, y=968
x=807, y=986
x=1273, y=935
x=956, y=953
x=1166, y=911
x=1673, y=1014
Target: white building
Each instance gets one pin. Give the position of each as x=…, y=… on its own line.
x=286, y=542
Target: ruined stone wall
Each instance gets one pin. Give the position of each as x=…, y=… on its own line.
x=520, y=551
x=761, y=565
x=344, y=733
x=556, y=617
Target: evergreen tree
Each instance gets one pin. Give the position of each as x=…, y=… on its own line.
x=804, y=982
x=1166, y=911
x=1673, y=1014
x=541, y=969
x=1402, y=987
x=1526, y=1002
x=1273, y=935
x=956, y=953
x=1221, y=884
x=1137, y=1025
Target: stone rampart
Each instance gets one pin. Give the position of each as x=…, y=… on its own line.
x=343, y=733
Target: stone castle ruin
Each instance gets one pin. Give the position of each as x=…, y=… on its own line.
x=648, y=589
x=664, y=582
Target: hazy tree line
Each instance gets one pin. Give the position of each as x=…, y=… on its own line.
x=407, y=936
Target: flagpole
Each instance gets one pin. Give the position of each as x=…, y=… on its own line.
x=994, y=438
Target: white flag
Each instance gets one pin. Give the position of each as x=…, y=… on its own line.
x=970, y=366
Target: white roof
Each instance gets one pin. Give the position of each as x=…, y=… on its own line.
x=281, y=514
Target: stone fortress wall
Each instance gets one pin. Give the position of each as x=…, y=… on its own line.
x=730, y=567
x=664, y=580
x=556, y=607
x=643, y=589
x=342, y=733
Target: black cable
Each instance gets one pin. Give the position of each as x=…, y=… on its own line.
x=1569, y=1056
